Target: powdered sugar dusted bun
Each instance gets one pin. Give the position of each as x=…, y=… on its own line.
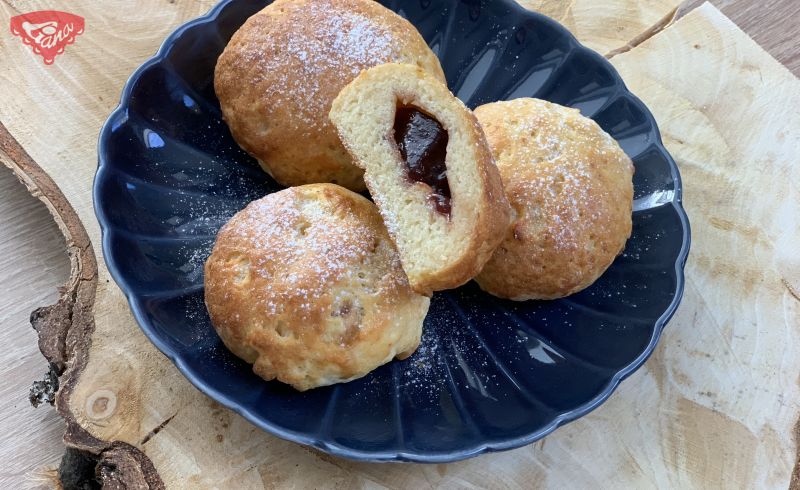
x=306, y=285
x=282, y=69
x=429, y=170
x=571, y=186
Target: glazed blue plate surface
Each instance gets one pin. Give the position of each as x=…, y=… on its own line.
x=490, y=374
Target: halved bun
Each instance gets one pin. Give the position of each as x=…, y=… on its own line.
x=438, y=249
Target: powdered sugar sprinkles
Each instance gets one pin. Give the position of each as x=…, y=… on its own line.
x=300, y=66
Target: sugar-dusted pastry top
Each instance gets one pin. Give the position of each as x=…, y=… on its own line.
x=306, y=284
x=571, y=187
x=282, y=69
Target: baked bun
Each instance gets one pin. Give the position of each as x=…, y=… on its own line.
x=306, y=285
x=282, y=69
x=429, y=170
x=571, y=186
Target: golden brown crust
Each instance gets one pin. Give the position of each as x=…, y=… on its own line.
x=306, y=284
x=571, y=187
x=495, y=214
x=282, y=69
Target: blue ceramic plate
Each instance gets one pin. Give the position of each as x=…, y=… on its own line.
x=490, y=374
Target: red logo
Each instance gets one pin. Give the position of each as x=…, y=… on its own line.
x=48, y=31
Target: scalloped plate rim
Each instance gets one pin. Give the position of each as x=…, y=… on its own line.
x=388, y=456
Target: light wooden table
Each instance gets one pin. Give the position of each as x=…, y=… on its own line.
x=33, y=264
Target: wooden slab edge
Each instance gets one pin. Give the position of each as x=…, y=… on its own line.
x=65, y=329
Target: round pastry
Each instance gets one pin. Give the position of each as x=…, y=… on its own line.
x=306, y=285
x=282, y=69
x=571, y=187
x=429, y=170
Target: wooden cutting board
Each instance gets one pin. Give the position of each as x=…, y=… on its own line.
x=715, y=406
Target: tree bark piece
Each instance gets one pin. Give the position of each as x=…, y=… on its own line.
x=33, y=263
x=681, y=421
x=65, y=328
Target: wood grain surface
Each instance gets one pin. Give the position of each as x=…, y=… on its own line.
x=727, y=366
x=774, y=24
x=34, y=263
x=706, y=432
x=607, y=26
